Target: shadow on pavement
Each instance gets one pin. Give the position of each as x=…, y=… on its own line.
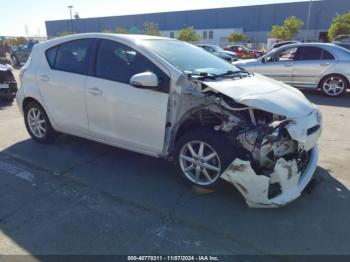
x=5, y=103
x=315, y=96
x=316, y=223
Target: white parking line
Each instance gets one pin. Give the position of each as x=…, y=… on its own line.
x=18, y=172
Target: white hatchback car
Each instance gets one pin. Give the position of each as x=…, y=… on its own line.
x=169, y=99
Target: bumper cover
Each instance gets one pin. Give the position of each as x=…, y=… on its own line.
x=255, y=188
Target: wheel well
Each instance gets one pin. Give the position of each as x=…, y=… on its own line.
x=323, y=78
x=27, y=100
x=198, y=119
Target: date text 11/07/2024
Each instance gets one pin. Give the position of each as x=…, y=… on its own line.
x=173, y=258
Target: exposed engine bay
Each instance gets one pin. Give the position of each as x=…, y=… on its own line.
x=268, y=161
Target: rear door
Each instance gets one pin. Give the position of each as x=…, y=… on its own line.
x=119, y=112
x=310, y=63
x=62, y=79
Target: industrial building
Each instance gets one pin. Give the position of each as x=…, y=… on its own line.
x=214, y=25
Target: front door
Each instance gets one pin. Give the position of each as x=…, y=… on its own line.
x=279, y=65
x=119, y=112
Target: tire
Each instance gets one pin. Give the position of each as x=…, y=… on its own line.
x=334, y=85
x=38, y=124
x=214, y=143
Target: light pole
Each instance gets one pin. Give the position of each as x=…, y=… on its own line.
x=70, y=7
x=308, y=22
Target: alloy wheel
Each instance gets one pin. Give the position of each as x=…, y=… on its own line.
x=200, y=163
x=37, y=122
x=334, y=86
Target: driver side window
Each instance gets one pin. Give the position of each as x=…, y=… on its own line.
x=287, y=54
x=118, y=62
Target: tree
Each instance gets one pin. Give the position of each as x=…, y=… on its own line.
x=339, y=26
x=121, y=30
x=290, y=28
x=151, y=28
x=188, y=34
x=64, y=33
x=16, y=41
x=236, y=37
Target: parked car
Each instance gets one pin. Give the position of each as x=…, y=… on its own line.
x=244, y=52
x=280, y=44
x=8, y=84
x=170, y=99
x=219, y=52
x=343, y=41
x=20, y=54
x=315, y=66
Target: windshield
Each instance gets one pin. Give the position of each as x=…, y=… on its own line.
x=189, y=58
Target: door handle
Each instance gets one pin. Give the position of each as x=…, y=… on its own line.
x=288, y=65
x=45, y=78
x=95, y=91
x=325, y=64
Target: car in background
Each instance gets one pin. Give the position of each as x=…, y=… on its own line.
x=8, y=84
x=280, y=44
x=219, y=52
x=343, y=41
x=20, y=54
x=306, y=65
x=243, y=51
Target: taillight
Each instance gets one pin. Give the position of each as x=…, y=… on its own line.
x=24, y=68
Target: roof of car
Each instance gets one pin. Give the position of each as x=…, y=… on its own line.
x=125, y=37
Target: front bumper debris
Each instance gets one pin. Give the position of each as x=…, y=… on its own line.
x=255, y=188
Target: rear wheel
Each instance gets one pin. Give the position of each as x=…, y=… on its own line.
x=202, y=155
x=38, y=124
x=334, y=85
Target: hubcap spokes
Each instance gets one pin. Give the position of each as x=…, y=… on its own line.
x=200, y=163
x=37, y=122
x=334, y=86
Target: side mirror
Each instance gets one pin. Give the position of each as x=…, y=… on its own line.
x=144, y=80
x=263, y=60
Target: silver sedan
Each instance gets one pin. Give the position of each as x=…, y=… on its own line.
x=311, y=65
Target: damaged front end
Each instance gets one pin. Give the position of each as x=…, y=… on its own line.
x=275, y=153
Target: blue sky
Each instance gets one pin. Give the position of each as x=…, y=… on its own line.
x=33, y=13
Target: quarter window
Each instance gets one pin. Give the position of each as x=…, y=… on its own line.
x=119, y=63
x=51, y=56
x=327, y=55
x=73, y=56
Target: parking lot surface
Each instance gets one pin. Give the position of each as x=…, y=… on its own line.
x=82, y=197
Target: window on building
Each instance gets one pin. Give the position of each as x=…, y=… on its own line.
x=172, y=35
x=73, y=56
x=205, y=35
x=211, y=34
x=119, y=62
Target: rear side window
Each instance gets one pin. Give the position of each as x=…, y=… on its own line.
x=73, y=56
x=51, y=56
x=310, y=53
x=327, y=55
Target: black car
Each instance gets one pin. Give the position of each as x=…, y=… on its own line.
x=8, y=84
x=219, y=52
x=20, y=54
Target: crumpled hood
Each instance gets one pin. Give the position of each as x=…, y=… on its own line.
x=266, y=94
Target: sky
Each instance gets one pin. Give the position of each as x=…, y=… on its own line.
x=17, y=15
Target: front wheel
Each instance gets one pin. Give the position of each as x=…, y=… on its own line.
x=38, y=124
x=334, y=85
x=202, y=155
